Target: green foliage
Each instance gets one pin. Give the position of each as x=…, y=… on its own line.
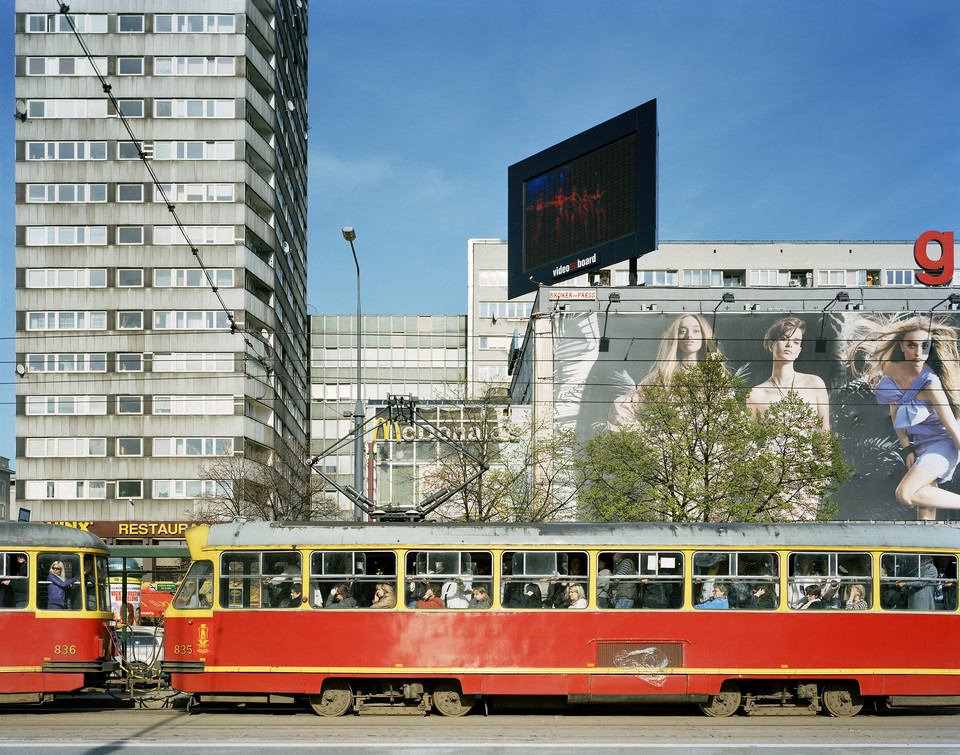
x=696, y=454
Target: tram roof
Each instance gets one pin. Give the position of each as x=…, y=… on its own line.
x=37, y=535
x=582, y=534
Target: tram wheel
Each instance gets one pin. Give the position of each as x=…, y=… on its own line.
x=335, y=699
x=842, y=699
x=449, y=700
x=726, y=703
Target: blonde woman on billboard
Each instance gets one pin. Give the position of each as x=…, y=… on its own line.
x=687, y=340
x=912, y=365
x=784, y=341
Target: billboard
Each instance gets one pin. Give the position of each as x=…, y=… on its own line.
x=585, y=203
x=594, y=389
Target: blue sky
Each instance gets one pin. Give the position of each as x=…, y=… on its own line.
x=778, y=120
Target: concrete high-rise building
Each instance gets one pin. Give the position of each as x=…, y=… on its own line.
x=131, y=374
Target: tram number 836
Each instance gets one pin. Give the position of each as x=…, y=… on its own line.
x=64, y=649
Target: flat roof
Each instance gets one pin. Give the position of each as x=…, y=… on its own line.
x=629, y=535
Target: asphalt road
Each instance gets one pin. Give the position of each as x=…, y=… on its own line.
x=85, y=726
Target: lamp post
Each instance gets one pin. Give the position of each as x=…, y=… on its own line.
x=358, y=416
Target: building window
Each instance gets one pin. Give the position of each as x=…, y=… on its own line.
x=901, y=278
x=66, y=108
x=504, y=310
x=67, y=235
x=129, y=488
x=66, y=150
x=67, y=362
x=196, y=362
x=191, y=320
x=129, y=404
x=193, y=23
x=129, y=24
x=702, y=277
x=193, y=446
x=81, y=320
x=65, y=489
x=130, y=320
x=769, y=277
x=192, y=277
x=129, y=192
x=130, y=277
x=194, y=66
x=66, y=447
x=76, y=405
x=194, y=151
x=66, y=193
x=129, y=66
x=193, y=109
x=130, y=108
x=129, y=446
x=65, y=66
x=190, y=488
x=48, y=23
x=193, y=405
x=129, y=150
x=129, y=362
x=195, y=193
x=66, y=277
x=198, y=234
x=130, y=234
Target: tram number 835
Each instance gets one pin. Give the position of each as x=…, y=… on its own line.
x=183, y=649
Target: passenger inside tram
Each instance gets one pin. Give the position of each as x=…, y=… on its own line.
x=719, y=600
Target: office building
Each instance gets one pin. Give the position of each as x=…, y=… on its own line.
x=138, y=367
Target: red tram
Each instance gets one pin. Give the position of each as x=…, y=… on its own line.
x=770, y=619
x=54, y=611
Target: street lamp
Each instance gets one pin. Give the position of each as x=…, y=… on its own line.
x=358, y=415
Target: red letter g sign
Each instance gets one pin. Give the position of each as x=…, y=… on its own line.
x=938, y=271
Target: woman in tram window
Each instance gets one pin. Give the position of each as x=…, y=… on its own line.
x=58, y=589
x=914, y=367
x=687, y=340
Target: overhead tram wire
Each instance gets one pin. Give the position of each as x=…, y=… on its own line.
x=64, y=9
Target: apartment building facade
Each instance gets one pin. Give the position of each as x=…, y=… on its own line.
x=161, y=324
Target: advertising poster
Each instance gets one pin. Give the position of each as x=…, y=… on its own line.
x=592, y=385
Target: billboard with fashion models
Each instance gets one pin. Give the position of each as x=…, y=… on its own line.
x=888, y=384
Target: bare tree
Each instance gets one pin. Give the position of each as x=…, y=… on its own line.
x=266, y=484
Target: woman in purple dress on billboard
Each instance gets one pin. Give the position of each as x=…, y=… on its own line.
x=914, y=369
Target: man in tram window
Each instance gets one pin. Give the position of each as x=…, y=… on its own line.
x=812, y=601
x=89, y=584
x=341, y=597
x=626, y=591
x=16, y=588
x=719, y=600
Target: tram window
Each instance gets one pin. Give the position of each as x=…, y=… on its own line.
x=196, y=589
x=540, y=579
x=751, y=579
x=102, y=583
x=14, y=579
x=843, y=579
x=255, y=579
x=454, y=575
x=59, y=580
x=918, y=582
x=359, y=570
x=640, y=579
